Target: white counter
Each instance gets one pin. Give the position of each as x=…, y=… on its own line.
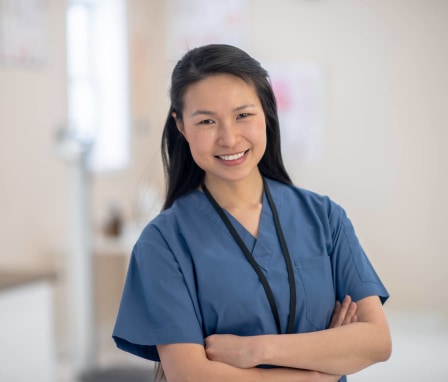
x=27, y=346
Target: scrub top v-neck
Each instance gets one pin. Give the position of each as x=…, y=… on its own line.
x=256, y=267
x=250, y=255
x=187, y=277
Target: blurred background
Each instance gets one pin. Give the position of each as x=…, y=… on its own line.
x=363, y=100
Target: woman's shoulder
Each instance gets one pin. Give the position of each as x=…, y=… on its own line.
x=305, y=196
x=167, y=220
x=310, y=203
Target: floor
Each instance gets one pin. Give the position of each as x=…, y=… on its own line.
x=420, y=353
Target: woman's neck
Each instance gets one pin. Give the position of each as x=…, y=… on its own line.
x=238, y=195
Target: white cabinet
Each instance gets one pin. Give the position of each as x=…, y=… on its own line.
x=27, y=348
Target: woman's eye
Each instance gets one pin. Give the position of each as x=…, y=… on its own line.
x=206, y=122
x=242, y=115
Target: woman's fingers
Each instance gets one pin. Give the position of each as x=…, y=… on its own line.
x=344, y=313
x=334, y=317
x=351, y=312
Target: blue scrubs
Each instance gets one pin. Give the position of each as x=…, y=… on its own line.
x=188, y=278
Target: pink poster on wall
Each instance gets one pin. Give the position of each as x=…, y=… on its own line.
x=301, y=101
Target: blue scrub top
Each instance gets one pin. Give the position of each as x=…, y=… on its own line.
x=188, y=278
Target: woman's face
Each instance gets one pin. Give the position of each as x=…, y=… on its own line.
x=224, y=124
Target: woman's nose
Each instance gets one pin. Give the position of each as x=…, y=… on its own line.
x=228, y=134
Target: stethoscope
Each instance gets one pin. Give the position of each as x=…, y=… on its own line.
x=254, y=264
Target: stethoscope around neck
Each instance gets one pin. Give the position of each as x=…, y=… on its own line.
x=254, y=264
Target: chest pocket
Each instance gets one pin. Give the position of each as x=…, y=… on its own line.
x=316, y=279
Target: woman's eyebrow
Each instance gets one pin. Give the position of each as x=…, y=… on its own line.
x=202, y=112
x=211, y=113
x=239, y=108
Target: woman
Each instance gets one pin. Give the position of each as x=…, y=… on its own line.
x=240, y=277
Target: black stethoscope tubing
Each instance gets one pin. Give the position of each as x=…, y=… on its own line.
x=254, y=264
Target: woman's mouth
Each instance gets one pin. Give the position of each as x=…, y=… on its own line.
x=232, y=156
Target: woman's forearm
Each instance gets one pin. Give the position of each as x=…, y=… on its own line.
x=343, y=350
x=340, y=350
x=219, y=372
x=187, y=362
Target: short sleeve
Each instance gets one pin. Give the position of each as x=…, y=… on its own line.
x=354, y=274
x=158, y=304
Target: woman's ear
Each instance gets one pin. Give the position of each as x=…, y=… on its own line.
x=179, y=123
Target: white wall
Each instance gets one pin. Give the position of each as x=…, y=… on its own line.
x=32, y=191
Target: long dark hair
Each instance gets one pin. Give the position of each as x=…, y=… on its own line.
x=181, y=172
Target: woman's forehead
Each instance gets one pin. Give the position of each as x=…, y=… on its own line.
x=220, y=91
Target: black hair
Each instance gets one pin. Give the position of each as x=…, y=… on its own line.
x=181, y=172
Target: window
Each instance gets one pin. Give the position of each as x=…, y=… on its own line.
x=98, y=88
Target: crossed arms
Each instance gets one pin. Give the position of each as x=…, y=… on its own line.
x=358, y=336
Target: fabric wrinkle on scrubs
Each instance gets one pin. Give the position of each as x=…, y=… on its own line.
x=188, y=278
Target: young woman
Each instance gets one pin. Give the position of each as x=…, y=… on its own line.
x=243, y=276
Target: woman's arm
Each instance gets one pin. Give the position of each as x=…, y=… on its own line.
x=341, y=349
x=183, y=362
x=188, y=362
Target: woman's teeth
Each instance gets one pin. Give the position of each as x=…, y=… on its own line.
x=232, y=157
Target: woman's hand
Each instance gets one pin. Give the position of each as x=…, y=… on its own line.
x=344, y=313
x=230, y=349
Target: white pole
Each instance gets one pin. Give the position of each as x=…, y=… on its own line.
x=79, y=264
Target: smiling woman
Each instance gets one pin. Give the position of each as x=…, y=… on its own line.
x=224, y=125
x=243, y=269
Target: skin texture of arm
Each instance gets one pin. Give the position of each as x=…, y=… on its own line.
x=188, y=362
x=341, y=349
